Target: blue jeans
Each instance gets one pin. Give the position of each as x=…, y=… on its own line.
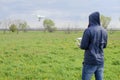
x=89, y=70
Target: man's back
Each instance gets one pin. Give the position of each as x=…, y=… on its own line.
x=94, y=40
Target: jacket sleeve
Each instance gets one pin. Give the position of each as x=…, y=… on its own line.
x=106, y=39
x=85, y=40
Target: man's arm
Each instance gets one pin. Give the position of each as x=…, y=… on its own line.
x=85, y=40
x=106, y=40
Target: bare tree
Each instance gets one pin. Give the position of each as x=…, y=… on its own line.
x=105, y=21
x=5, y=25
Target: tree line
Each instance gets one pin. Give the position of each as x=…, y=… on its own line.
x=49, y=25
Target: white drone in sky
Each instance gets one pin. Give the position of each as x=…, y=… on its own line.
x=39, y=16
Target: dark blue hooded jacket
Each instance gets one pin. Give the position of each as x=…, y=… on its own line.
x=94, y=40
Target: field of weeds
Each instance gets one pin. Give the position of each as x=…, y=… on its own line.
x=51, y=56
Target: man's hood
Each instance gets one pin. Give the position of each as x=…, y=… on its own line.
x=94, y=19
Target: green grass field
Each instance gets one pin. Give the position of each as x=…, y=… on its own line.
x=51, y=56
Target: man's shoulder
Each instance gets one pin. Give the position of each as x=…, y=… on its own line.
x=105, y=30
x=87, y=30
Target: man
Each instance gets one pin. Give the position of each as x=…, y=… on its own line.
x=94, y=40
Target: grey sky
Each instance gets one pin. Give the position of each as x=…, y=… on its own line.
x=61, y=11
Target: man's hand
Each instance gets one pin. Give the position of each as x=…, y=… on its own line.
x=78, y=43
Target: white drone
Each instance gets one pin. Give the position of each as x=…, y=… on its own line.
x=39, y=16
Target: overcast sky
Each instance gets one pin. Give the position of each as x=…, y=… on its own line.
x=63, y=12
